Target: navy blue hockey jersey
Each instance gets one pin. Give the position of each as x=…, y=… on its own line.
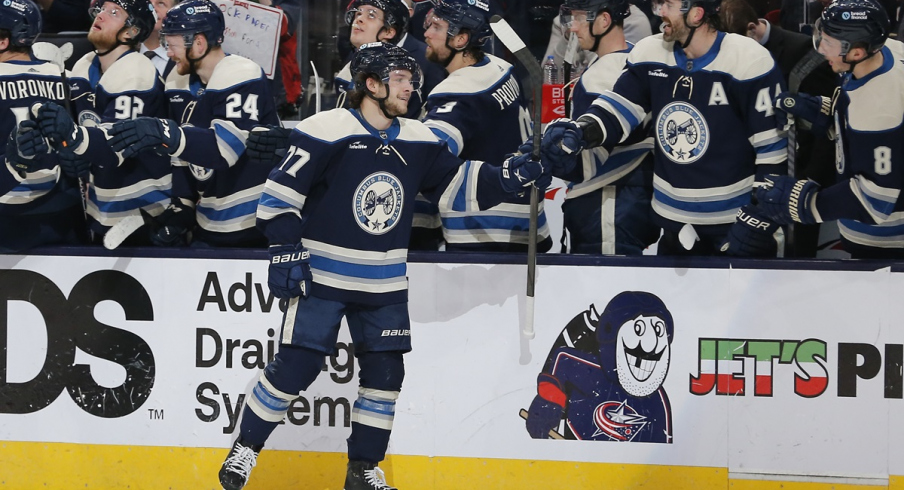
x=216, y=120
x=481, y=113
x=713, y=122
x=869, y=122
x=23, y=83
x=129, y=88
x=346, y=191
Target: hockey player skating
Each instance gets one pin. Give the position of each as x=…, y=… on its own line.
x=866, y=117
x=115, y=83
x=607, y=205
x=709, y=94
x=338, y=212
x=217, y=98
x=481, y=112
x=39, y=204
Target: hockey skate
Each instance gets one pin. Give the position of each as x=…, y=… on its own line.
x=365, y=476
x=236, y=469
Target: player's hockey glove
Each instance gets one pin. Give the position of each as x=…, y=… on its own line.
x=290, y=271
x=162, y=136
x=816, y=110
x=519, y=171
x=57, y=126
x=561, y=145
x=267, y=145
x=752, y=235
x=546, y=410
x=784, y=200
x=171, y=227
x=73, y=165
x=24, y=144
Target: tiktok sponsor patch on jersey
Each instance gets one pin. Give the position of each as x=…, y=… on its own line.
x=682, y=132
x=378, y=203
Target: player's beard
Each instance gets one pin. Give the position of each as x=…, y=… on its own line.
x=183, y=67
x=438, y=55
x=396, y=107
x=677, y=31
x=103, y=39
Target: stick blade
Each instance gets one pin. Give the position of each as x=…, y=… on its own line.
x=118, y=233
x=506, y=34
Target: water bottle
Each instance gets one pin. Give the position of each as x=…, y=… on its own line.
x=551, y=72
x=553, y=92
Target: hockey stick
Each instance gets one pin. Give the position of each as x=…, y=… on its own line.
x=552, y=432
x=316, y=89
x=513, y=43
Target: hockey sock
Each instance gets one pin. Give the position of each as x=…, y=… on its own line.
x=372, y=418
x=265, y=408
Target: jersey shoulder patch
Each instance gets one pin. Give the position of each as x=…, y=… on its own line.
x=870, y=111
x=414, y=130
x=332, y=125
x=473, y=79
x=601, y=75
x=80, y=68
x=742, y=57
x=234, y=70
x=39, y=68
x=652, y=49
x=175, y=81
x=131, y=73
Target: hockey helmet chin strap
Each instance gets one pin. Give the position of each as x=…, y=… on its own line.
x=599, y=37
x=192, y=62
x=381, y=101
x=117, y=44
x=853, y=63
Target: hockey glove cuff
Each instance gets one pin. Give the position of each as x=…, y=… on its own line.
x=24, y=144
x=815, y=109
x=784, y=199
x=74, y=166
x=162, y=136
x=57, y=125
x=267, y=145
x=519, y=171
x=562, y=144
x=290, y=271
x=752, y=235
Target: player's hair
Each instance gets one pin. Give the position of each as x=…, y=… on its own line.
x=356, y=95
x=5, y=34
x=736, y=15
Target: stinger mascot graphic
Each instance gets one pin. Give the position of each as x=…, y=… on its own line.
x=603, y=378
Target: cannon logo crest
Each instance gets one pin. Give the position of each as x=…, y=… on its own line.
x=378, y=203
x=682, y=132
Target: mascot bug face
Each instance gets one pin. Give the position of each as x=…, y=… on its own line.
x=642, y=354
x=635, y=335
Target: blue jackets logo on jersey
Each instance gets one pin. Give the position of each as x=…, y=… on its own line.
x=199, y=172
x=88, y=119
x=682, y=132
x=378, y=203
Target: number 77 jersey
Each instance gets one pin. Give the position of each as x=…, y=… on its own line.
x=713, y=124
